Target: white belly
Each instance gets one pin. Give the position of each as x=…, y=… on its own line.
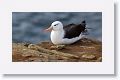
x=57, y=37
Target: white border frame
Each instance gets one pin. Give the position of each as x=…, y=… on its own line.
x=104, y=67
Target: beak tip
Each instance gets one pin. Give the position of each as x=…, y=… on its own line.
x=45, y=30
x=48, y=30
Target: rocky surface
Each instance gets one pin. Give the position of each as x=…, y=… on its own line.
x=85, y=50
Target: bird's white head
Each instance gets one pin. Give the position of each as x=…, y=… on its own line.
x=56, y=26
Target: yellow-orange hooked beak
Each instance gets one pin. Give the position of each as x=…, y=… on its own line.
x=48, y=29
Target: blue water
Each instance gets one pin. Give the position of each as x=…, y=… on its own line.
x=29, y=26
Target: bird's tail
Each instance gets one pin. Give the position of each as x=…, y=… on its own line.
x=83, y=26
x=83, y=23
x=85, y=29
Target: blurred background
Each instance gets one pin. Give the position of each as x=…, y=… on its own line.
x=29, y=26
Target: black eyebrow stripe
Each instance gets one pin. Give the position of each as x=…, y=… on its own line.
x=56, y=24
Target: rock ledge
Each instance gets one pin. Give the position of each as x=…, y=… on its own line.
x=85, y=50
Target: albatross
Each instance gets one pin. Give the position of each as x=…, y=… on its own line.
x=71, y=33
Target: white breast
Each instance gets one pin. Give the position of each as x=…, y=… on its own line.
x=57, y=36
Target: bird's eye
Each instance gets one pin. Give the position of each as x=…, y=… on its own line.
x=55, y=24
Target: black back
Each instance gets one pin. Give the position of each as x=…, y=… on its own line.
x=73, y=30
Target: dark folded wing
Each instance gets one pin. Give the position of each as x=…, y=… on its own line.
x=73, y=30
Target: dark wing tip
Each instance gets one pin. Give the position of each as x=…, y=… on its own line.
x=83, y=22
